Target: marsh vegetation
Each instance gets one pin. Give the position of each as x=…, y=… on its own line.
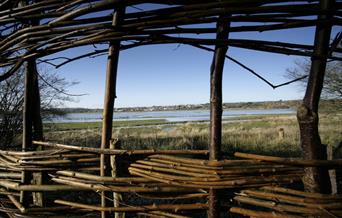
x=267, y=134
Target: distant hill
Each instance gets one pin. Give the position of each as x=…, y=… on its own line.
x=324, y=105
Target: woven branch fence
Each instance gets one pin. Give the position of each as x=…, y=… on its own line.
x=35, y=182
x=161, y=176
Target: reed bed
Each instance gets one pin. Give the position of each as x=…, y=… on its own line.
x=254, y=135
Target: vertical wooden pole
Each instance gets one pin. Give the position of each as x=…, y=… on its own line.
x=332, y=172
x=116, y=172
x=110, y=95
x=33, y=111
x=28, y=107
x=216, y=73
x=36, y=114
x=27, y=124
x=315, y=179
x=38, y=198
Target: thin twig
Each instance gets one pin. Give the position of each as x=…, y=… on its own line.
x=58, y=90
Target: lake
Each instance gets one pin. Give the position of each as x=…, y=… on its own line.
x=171, y=116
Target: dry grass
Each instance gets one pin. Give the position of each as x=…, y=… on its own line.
x=258, y=134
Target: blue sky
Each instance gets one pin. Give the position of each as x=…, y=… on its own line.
x=179, y=74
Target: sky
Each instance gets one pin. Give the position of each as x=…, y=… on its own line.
x=179, y=74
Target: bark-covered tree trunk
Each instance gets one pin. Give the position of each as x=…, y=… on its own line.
x=315, y=179
x=216, y=73
x=108, y=108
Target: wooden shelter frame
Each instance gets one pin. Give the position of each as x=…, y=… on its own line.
x=33, y=30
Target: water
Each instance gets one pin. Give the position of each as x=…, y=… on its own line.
x=171, y=116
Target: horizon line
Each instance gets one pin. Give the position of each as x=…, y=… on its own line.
x=172, y=105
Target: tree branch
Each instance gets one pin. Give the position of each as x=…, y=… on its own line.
x=252, y=71
x=58, y=90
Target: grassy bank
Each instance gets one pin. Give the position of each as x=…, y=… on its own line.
x=259, y=134
x=95, y=125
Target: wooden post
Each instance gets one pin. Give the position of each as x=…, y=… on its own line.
x=36, y=116
x=110, y=95
x=315, y=179
x=216, y=73
x=332, y=172
x=116, y=172
x=281, y=133
x=38, y=198
x=33, y=113
x=27, y=124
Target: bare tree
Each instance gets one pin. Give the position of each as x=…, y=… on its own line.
x=11, y=100
x=53, y=91
x=332, y=86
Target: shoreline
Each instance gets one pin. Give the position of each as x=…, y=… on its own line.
x=281, y=104
x=169, y=116
x=64, y=126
